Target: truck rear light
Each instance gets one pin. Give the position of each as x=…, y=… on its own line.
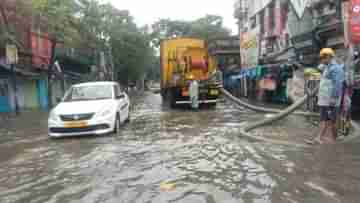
x=184, y=93
x=214, y=92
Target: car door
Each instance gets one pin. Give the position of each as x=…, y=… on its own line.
x=120, y=100
x=127, y=105
x=124, y=105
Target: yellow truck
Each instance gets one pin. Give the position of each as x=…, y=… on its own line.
x=183, y=60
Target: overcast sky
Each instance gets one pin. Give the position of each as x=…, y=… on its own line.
x=148, y=11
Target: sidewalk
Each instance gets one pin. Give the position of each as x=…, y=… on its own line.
x=25, y=118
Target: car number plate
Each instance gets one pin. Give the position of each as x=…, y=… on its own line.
x=78, y=124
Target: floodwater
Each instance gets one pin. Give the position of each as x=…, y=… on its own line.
x=199, y=154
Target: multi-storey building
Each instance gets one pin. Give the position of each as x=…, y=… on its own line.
x=18, y=26
x=279, y=30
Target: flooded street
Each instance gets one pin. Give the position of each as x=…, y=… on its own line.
x=199, y=153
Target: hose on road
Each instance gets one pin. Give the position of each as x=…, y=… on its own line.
x=262, y=109
x=244, y=131
x=277, y=117
x=280, y=115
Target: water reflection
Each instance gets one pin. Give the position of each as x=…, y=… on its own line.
x=200, y=152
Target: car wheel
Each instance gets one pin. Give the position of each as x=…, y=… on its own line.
x=117, y=124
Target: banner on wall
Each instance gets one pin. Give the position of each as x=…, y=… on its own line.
x=249, y=49
x=345, y=9
x=354, y=21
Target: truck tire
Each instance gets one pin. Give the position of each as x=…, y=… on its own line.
x=168, y=98
x=212, y=105
x=172, y=99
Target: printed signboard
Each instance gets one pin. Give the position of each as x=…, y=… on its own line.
x=354, y=21
x=11, y=54
x=249, y=49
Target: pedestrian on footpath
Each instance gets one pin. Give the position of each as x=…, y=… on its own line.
x=330, y=94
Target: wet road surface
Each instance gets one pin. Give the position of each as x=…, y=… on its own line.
x=200, y=153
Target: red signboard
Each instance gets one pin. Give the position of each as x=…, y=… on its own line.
x=41, y=50
x=354, y=21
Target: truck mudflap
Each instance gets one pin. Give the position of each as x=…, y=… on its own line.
x=211, y=101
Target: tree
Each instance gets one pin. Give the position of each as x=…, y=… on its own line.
x=13, y=15
x=210, y=26
x=105, y=26
x=153, y=70
x=57, y=17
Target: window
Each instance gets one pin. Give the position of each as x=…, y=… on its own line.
x=85, y=93
x=118, y=91
x=253, y=22
x=271, y=16
x=4, y=89
x=262, y=22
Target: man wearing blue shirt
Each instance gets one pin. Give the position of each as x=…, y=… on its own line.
x=330, y=93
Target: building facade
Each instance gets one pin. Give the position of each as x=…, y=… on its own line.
x=275, y=31
x=31, y=71
x=294, y=31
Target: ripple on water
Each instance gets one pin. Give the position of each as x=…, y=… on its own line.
x=199, y=152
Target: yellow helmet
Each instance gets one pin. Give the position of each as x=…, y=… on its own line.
x=327, y=52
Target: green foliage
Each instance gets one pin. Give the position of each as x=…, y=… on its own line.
x=106, y=27
x=208, y=27
x=100, y=27
x=8, y=34
x=57, y=15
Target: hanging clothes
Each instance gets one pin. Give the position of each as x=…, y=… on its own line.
x=268, y=83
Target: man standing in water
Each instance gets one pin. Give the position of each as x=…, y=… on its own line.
x=329, y=98
x=194, y=92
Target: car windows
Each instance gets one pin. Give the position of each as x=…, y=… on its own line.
x=83, y=93
x=118, y=91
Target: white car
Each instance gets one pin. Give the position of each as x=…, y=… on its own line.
x=90, y=109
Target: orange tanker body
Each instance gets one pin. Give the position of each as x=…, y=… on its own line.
x=183, y=59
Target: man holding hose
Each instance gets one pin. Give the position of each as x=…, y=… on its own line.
x=330, y=93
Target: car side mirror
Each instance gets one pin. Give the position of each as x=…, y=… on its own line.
x=121, y=96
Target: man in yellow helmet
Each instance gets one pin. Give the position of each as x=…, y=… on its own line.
x=330, y=92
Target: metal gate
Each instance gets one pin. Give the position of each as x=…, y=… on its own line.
x=4, y=96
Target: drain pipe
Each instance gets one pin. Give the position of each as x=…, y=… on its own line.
x=282, y=114
x=262, y=109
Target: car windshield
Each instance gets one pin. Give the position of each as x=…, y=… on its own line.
x=84, y=93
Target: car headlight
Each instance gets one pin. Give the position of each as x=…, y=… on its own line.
x=53, y=116
x=105, y=113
